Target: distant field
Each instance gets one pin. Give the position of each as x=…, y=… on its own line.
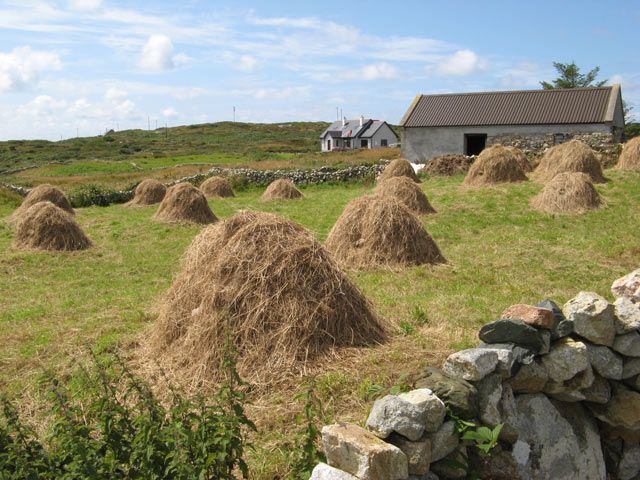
x=499, y=251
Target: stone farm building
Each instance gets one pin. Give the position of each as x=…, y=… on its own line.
x=464, y=123
x=361, y=133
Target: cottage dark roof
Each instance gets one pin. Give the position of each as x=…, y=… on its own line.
x=524, y=107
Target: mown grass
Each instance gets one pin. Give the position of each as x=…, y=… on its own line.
x=499, y=252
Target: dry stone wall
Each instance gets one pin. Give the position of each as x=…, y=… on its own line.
x=563, y=384
x=535, y=144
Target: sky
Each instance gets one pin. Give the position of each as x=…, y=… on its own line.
x=80, y=67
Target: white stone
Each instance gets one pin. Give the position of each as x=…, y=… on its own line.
x=322, y=471
x=628, y=286
x=409, y=414
x=356, y=451
x=472, y=364
x=592, y=317
x=566, y=359
x=627, y=317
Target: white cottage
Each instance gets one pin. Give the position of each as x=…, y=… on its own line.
x=361, y=133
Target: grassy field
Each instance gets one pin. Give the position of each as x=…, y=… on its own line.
x=54, y=306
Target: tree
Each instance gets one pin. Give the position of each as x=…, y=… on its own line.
x=570, y=77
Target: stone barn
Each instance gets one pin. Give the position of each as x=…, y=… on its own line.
x=465, y=123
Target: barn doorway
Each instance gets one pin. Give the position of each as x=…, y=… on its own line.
x=474, y=143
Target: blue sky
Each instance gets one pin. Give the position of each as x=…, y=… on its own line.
x=89, y=65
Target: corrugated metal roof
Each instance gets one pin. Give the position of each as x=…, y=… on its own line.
x=524, y=107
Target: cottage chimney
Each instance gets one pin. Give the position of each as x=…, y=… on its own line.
x=344, y=121
x=361, y=119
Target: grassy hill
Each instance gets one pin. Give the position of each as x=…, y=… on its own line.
x=256, y=140
x=119, y=159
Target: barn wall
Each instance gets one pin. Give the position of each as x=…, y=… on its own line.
x=423, y=143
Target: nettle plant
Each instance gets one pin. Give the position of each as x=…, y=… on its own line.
x=112, y=426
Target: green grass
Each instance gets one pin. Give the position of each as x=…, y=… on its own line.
x=499, y=252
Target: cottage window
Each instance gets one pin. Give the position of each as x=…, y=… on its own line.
x=328, y=144
x=364, y=143
x=347, y=143
x=383, y=142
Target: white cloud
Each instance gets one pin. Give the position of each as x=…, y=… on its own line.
x=376, y=71
x=462, y=62
x=280, y=93
x=247, y=63
x=41, y=106
x=114, y=94
x=169, y=112
x=84, y=4
x=21, y=68
x=157, y=53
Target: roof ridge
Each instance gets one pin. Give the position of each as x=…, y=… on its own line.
x=539, y=90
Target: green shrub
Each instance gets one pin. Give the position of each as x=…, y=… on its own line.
x=88, y=195
x=113, y=427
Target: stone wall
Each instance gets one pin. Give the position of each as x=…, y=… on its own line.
x=560, y=385
x=535, y=144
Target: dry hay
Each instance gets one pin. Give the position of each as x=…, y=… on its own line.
x=184, y=203
x=399, y=168
x=42, y=193
x=573, y=156
x=148, y=192
x=630, y=156
x=379, y=231
x=45, y=226
x=281, y=189
x=568, y=192
x=266, y=283
x=448, y=165
x=496, y=164
x=218, y=187
x=408, y=192
x=522, y=159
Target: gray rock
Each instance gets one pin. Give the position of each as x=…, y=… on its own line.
x=457, y=394
x=569, y=370
x=633, y=383
x=531, y=378
x=445, y=468
x=557, y=441
x=546, y=342
x=555, y=309
x=628, y=344
x=623, y=410
x=592, y=317
x=631, y=368
x=322, y=471
x=512, y=331
x=628, y=286
x=418, y=453
x=499, y=465
x=598, y=392
x=627, y=317
x=562, y=329
x=629, y=465
x=489, y=395
x=408, y=414
x=444, y=441
x=566, y=359
x=356, y=451
x=472, y=364
x=506, y=360
x=605, y=361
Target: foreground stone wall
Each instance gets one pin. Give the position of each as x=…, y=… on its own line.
x=564, y=384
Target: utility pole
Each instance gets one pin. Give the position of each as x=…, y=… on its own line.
x=148, y=122
x=337, y=114
x=156, y=124
x=234, y=114
x=77, y=132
